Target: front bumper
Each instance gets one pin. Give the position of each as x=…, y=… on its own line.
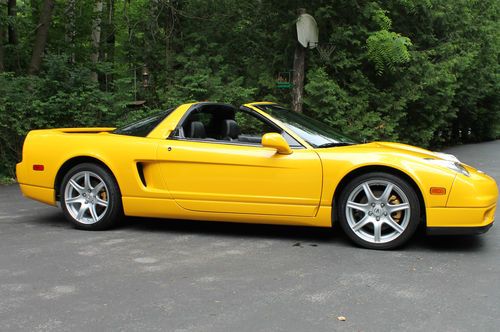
x=460, y=217
x=470, y=208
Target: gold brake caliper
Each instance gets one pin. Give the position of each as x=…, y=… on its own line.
x=103, y=195
x=394, y=200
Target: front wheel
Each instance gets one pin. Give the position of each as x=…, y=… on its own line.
x=379, y=211
x=90, y=197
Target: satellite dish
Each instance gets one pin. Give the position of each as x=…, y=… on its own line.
x=307, y=31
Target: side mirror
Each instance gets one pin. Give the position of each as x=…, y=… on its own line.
x=276, y=141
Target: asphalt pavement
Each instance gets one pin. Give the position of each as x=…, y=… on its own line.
x=166, y=275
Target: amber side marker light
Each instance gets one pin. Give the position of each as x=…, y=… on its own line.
x=438, y=191
x=38, y=167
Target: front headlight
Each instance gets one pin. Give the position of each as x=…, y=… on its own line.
x=453, y=165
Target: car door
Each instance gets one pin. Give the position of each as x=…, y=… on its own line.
x=217, y=173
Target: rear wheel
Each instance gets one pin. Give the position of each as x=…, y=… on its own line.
x=90, y=197
x=379, y=210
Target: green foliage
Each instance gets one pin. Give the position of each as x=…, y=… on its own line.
x=387, y=49
x=425, y=72
x=6, y=180
x=326, y=100
x=63, y=97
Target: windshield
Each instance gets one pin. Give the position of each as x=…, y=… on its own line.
x=143, y=127
x=314, y=132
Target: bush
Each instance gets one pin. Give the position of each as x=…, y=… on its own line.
x=64, y=97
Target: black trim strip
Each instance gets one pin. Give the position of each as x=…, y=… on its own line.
x=221, y=142
x=458, y=230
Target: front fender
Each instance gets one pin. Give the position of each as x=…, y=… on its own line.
x=342, y=161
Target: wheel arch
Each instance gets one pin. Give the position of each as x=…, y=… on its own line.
x=70, y=163
x=376, y=168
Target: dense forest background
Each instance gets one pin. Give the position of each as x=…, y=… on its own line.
x=424, y=72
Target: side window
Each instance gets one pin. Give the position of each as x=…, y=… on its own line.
x=234, y=126
x=252, y=129
x=252, y=126
x=291, y=141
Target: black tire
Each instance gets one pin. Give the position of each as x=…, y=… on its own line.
x=377, y=213
x=72, y=199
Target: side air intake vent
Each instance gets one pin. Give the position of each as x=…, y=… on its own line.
x=141, y=173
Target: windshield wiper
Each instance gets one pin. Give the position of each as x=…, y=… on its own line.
x=332, y=144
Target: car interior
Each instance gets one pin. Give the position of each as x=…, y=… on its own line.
x=220, y=122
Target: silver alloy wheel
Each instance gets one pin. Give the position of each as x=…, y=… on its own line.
x=86, y=197
x=370, y=214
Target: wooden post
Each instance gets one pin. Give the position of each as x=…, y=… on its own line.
x=299, y=59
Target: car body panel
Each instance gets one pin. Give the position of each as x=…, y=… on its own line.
x=227, y=178
x=41, y=194
x=162, y=208
x=478, y=191
x=160, y=176
x=53, y=147
x=164, y=129
x=344, y=160
x=461, y=217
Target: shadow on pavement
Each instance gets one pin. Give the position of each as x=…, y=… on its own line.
x=54, y=219
x=230, y=229
x=320, y=236
x=443, y=243
x=420, y=242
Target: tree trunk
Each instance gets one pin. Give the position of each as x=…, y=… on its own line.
x=70, y=27
x=96, y=38
x=2, y=66
x=12, y=12
x=150, y=36
x=128, y=51
x=109, y=50
x=42, y=33
x=299, y=60
x=298, y=78
x=169, y=27
x=11, y=36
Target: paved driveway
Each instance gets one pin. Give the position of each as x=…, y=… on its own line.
x=198, y=276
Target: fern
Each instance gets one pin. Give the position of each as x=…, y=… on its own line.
x=387, y=49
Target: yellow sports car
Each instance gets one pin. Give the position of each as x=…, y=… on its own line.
x=259, y=163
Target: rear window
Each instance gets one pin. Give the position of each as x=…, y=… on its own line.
x=143, y=127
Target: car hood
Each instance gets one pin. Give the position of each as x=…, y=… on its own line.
x=400, y=148
x=413, y=149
